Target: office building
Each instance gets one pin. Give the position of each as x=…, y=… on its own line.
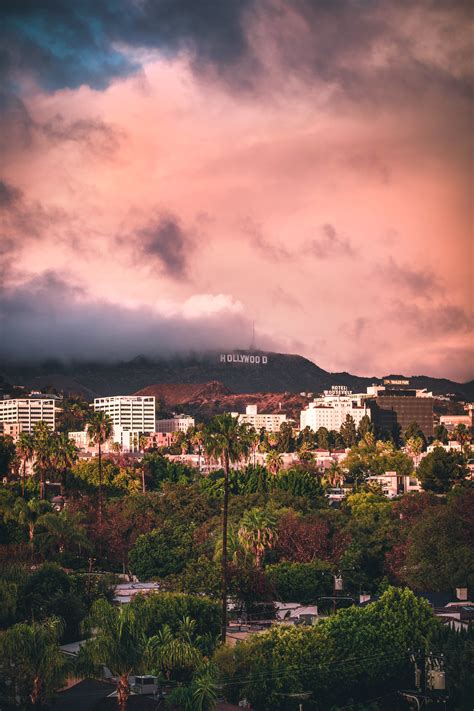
x=331, y=410
x=398, y=405
x=130, y=412
x=27, y=412
x=260, y=420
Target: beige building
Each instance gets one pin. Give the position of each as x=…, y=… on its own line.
x=180, y=423
x=260, y=420
x=131, y=412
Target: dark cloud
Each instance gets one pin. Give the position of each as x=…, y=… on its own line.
x=418, y=281
x=64, y=44
x=164, y=240
x=48, y=318
x=363, y=49
x=438, y=320
x=9, y=195
x=330, y=244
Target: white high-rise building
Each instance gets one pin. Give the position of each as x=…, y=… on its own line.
x=27, y=412
x=260, y=420
x=130, y=412
x=330, y=410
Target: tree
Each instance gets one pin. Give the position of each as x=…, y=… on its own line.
x=63, y=530
x=348, y=431
x=7, y=455
x=33, y=661
x=323, y=438
x=300, y=582
x=414, y=431
x=64, y=455
x=43, y=439
x=286, y=441
x=119, y=643
x=462, y=434
x=161, y=552
x=441, y=434
x=440, y=470
x=25, y=448
x=257, y=533
x=99, y=430
x=29, y=514
x=334, y=474
x=365, y=426
x=229, y=441
x=274, y=461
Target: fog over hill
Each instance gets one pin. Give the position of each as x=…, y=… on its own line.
x=237, y=371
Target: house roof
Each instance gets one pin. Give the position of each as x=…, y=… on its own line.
x=83, y=696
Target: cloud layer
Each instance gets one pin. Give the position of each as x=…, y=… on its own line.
x=174, y=171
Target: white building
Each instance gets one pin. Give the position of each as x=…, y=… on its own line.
x=27, y=412
x=260, y=420
x=129, y=440
x=131, y=412
x=180, y=423
x=332, y=408
x=394, y=484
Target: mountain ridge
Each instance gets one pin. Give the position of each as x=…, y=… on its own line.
x=280, y=373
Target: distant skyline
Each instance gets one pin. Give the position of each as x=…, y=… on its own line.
x=172, y=172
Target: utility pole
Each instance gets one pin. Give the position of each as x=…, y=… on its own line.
x=430, y=680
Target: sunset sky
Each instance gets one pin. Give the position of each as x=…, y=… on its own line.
x=173, y=171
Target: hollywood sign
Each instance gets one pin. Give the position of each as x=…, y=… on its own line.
x=243, y=358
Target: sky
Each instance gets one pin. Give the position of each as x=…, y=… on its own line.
x=173, y=172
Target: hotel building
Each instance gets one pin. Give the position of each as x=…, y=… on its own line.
x=331, y=410
x=180, y=423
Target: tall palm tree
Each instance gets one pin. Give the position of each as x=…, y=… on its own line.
x=33, y=650
x=25, y=448
x=274, y=462
x=257, y=533
x=99, y=429
x=43, y=442
x=228, y=441
x=64, y=455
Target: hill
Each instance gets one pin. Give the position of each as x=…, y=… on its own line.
x=239, y=372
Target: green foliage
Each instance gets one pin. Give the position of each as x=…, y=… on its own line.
x=161, y=552
x=440, y=553
x=370, y=457
x=116, y=479
x=170, y=608
x=159, y=469
x=457, y=649
x=359, y=653
x=300, y=582
x=8, y=602
x=440, y=470
x=348, y=431
x=32, y=662
x=7, y=455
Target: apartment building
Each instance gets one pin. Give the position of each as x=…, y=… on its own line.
x=129, y=412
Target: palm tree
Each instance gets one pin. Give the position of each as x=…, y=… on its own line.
x=99, y=430
x=274, y=461
x=119, y=643
x=64, y=455
x=257, y=533
x=29, y=514
x=33, y=651
x=25, y=448
x=197, y=438
x=63, y=530
x=176, y=651
x=43, y=442
x=305, y=453
x=228, y=441
x=334, y=474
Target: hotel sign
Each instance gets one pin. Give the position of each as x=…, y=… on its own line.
x=243, y=358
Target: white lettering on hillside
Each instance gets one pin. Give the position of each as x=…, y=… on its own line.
x=243, y=358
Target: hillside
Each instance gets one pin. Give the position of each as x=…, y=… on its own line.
x=273, y=373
